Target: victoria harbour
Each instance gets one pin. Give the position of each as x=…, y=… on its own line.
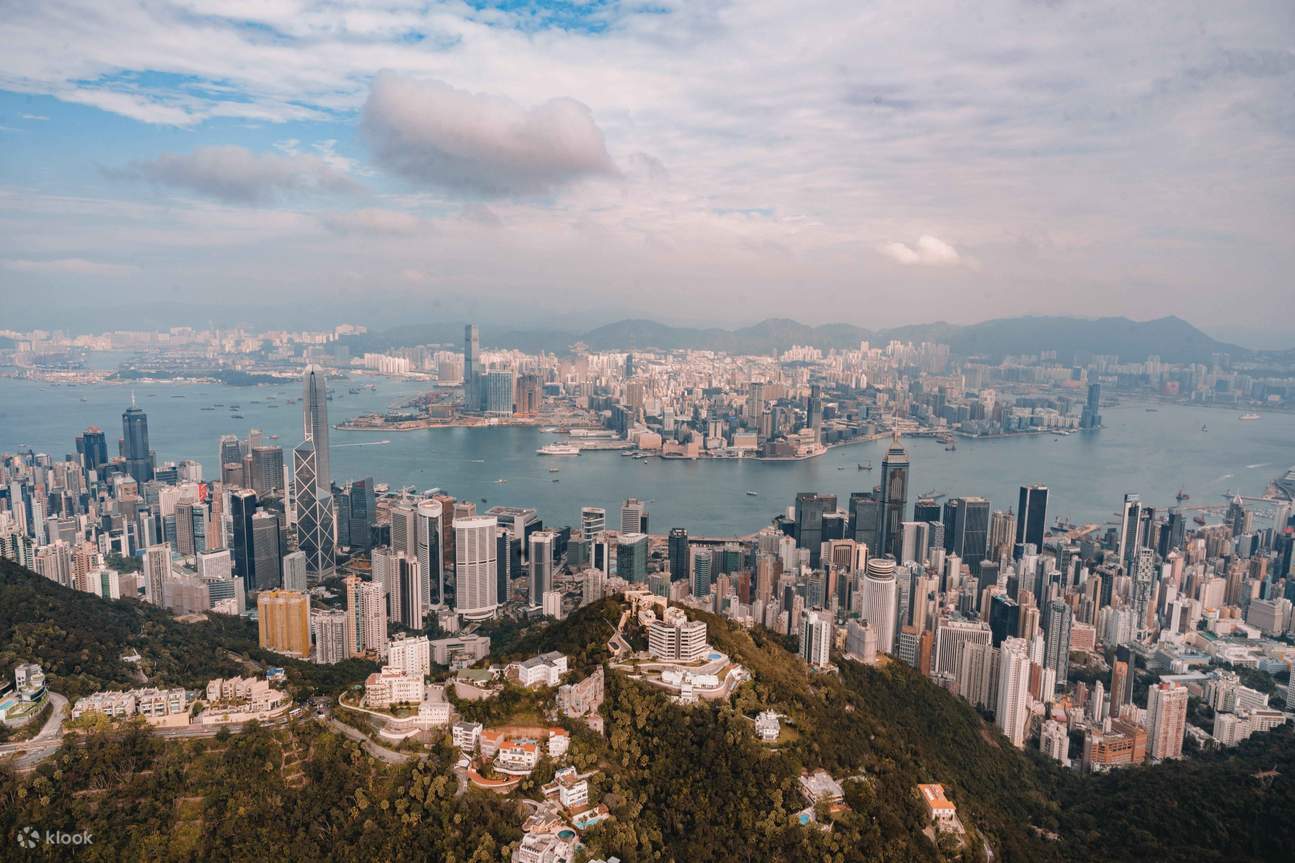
x=1203, y=452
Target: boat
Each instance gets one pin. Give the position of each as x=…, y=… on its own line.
x=483, y=500
x=274, y=437
x=477, y=460
x=205, y=409
x=236, y=416
x=867, y=465
x=1203, y=428
x=557, y=480
x=500, y=481
x=558, y=449
x=753, y=494
x=1200, y=519
x=841, y=468
x=1182, y=496
x=1245, y=418
x=1152, y=410
x=554, y=469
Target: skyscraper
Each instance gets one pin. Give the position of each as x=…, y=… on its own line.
x=1092, y=416
x=1056, y=636
x=634, y=516
x=471, y=368
x=810, y=509
x=92, y=446
x=815, y=637
x=476, y=556
x=134, y=435
x=1134, y=522
x=312, y=479
x=541, y=563
x=894, y=496
x=966, y=530
x=428, y=520
x=242, y=507
x=879, y=601
x=267, y=470
x=1011, y=713
x=1166, y=720
x=678, y=551
x=1031, y=518
x=366, y=617
x=283, y=622
x=267, y=552
x=593, y=521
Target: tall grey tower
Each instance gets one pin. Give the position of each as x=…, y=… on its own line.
x=471, y=368
x=134, y=433
x=312, y=478
x=894, y=496
x=315, y=405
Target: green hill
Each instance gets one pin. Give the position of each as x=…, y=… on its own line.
x=683, y=783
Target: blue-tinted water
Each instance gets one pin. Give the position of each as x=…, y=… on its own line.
x=1152, y=453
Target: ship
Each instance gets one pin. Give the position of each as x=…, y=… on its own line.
x=558, y=449
x=867, y=465
x=554, y=469
x=1204, y=428
x=1245, y=418
x=753, y=494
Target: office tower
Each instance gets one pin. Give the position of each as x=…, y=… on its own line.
x=966, y=530
x=1122, y=672
x=314, y=507
x=402, y=586
x=476, y=556
x=1166, y=720
x=1056, y=637
x=499, y=393
x=810, y=509
x=267, y=551
x=190, y=528
x=215, y=565
x=1031, y=518
x=366, y=617
x=1174, y=534
x=230, y=450
x=913, y=542
x=92, y=447
x=815, y=637
x=1004, y=618
x=541, y=555
x=1011, y=713
x=363, y=513
x=530, y=395
x=703, y=572
x=267, y=470
x=631, y=557
x=1136, y=521
x=593, y=521
x=283, y=622
x=156, y=569
x=926, y=509
x=1002, y=534
x=429, y=518
x=678, y=550
x=865, y=519
x=134, y=435
x=879, y=601
x=294, y=571
x=472, y=398
x=1091, y=417
x=329, y=630
x=404, y=528
x=315, y=423
x=1144, y=592
x=242, y=506
x=950, y=637
x=634, y=516
x=894, y=496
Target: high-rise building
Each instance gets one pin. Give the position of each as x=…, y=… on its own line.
x=894, y=496
x=472, y=397
x=283, y=622
x=231, y=450
x=1031, y=518
x=703, y=572
x=499, y=393
x=267, y=470
x=242, y=507
x=329, y=630
x=429, y=518
x=366, y=617
x=294, y=572
x=593, y=521
x=678, y=551
x=312, y=479
x=816, y=637
x=810, y=509
x=632, y=556
x=865, y=519
x=1056, y=638
x=134, y=435
x=401, y=584
x=1091, y=418
x=92, y=447
x=315, y=416
x=476, y=555
x=156, y=569
x=880, y=606
x=1166, y=720
x=966, y=530
x=541, y=562
x=363, y=513
x=1135, y=529
x=634, y=516
x=267, y=551
x=1012, y=710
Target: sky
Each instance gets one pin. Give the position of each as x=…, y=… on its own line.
x=570, y=163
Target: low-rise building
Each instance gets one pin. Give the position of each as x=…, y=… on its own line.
x=818, y=786
x=543, y=670
x=579, y=699
x=391, y=686
x=242, y=699
x=466, y=735
x=460, y=651
x=675, y=638
x=943, y=814
x=157, y=706
x=766, y=726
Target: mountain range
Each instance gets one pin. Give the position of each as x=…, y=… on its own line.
x=1073, y=339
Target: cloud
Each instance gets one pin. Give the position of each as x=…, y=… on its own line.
x=436, y=135
x=930, y=251
x=371, y=221
x=36, y=117
x=74, y=266
x=239, y=176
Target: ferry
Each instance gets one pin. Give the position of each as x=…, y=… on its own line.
x=558, y=449
x=554, y=469
x=753, y=494
x=1245, y=418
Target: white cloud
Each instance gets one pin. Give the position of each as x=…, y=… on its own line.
x=927, y=251
x=436, y=135
x=72, y=266
x=371, y=220
x=237, y=175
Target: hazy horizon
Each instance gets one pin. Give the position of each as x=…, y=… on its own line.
x=578, y=163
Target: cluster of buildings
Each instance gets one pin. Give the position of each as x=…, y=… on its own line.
x=228, y=700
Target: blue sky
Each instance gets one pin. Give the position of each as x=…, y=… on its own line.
x=584, y=161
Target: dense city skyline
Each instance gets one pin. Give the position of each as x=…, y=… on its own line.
x=1018, y=158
